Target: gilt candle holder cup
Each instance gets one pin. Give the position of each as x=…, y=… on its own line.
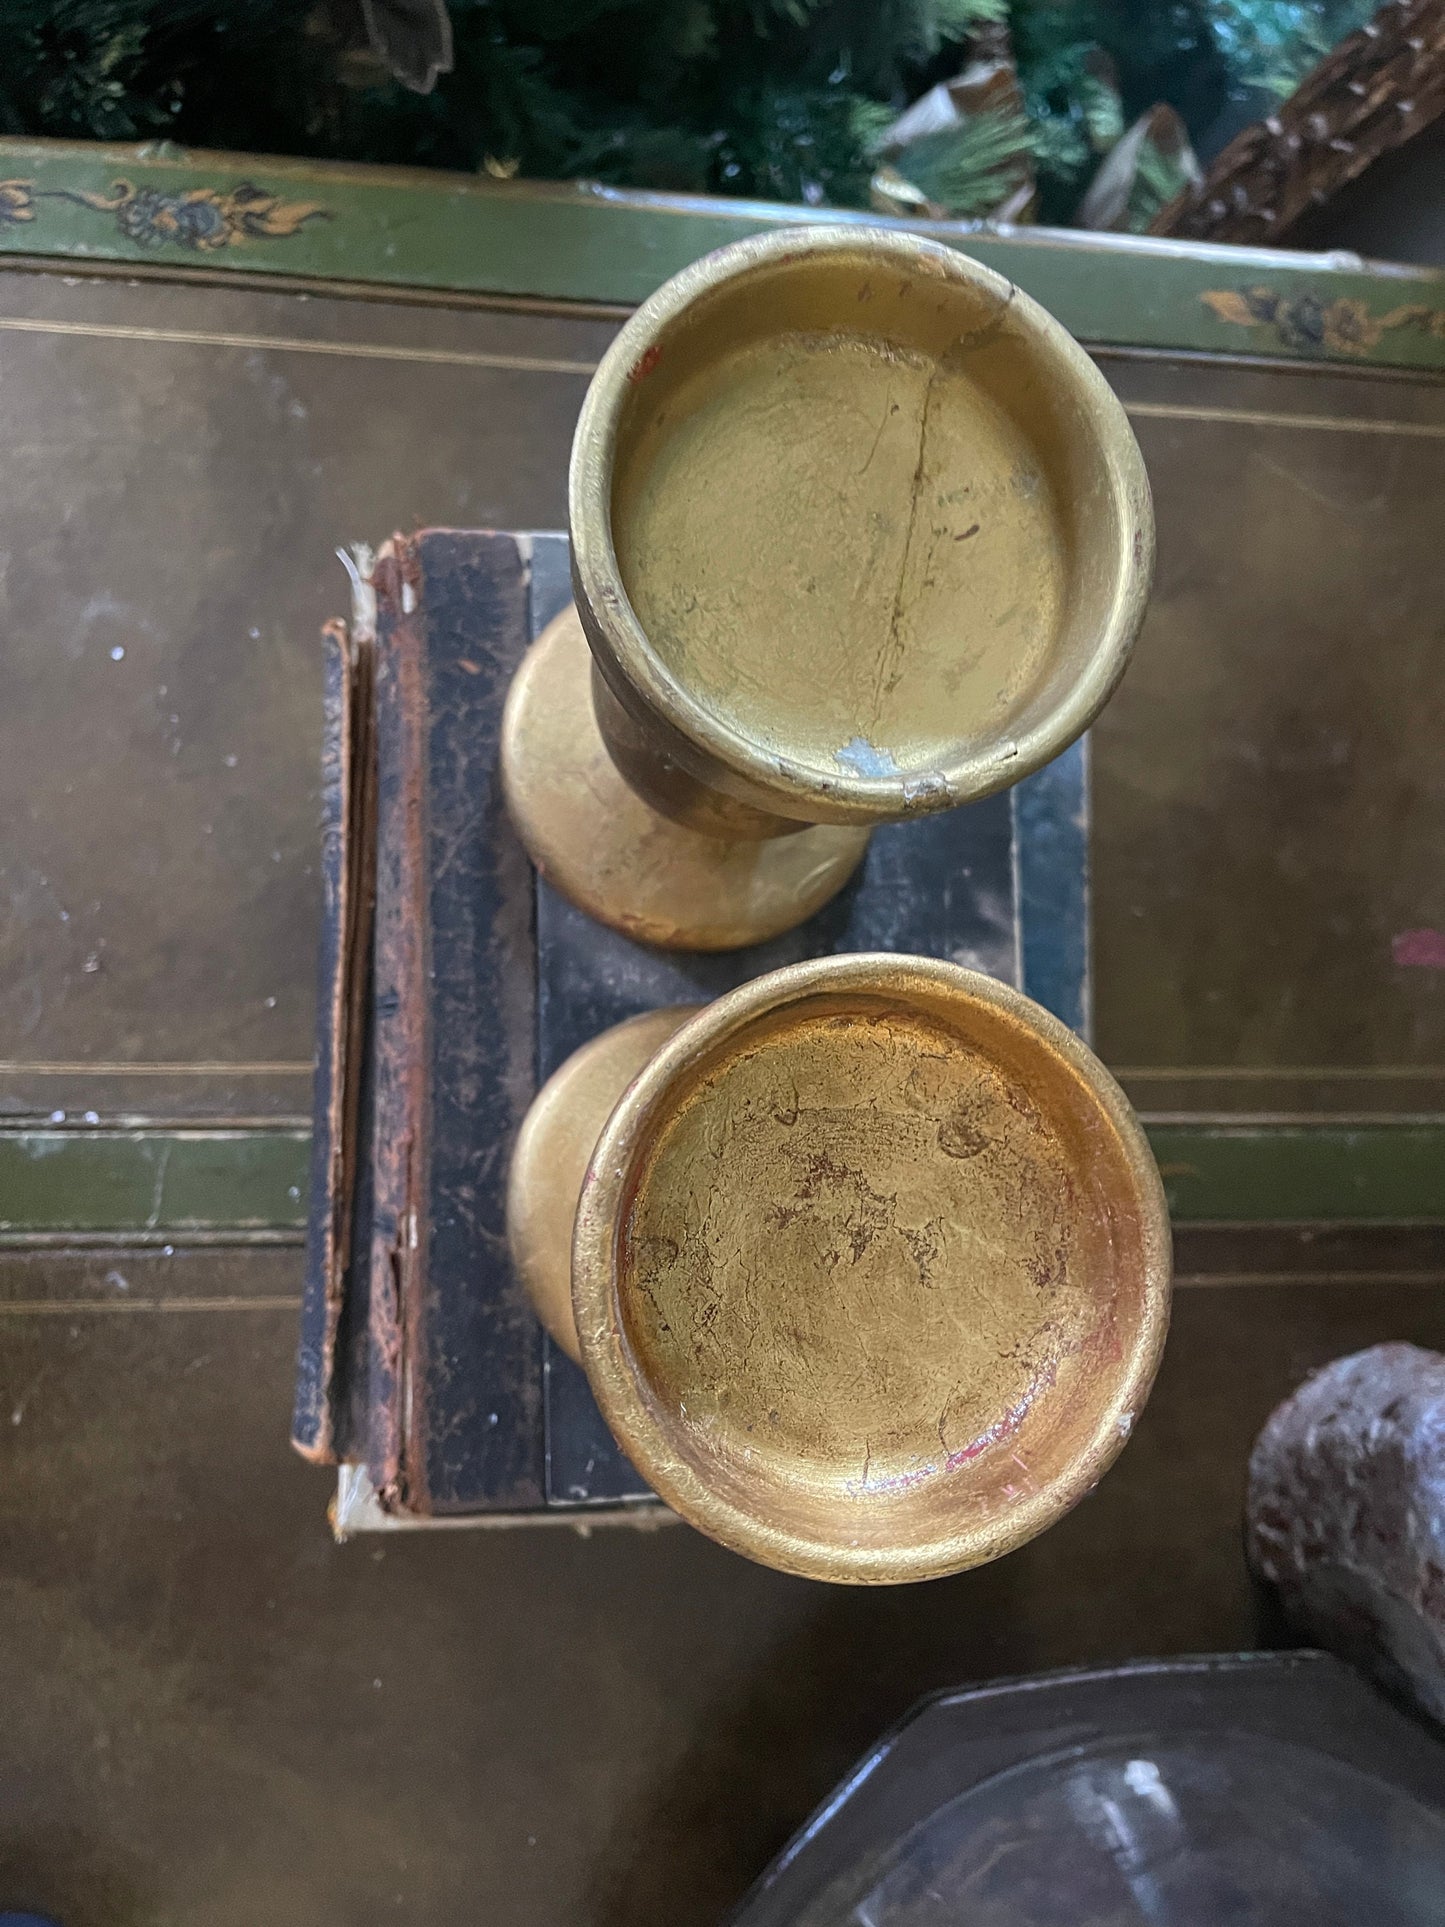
x=858, y=532
x=867, y=1263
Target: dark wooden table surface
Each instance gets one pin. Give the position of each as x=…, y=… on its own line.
x=210, y=1711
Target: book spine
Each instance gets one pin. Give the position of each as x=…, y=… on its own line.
x=312, y=1432
x=400, y=1057
x=472, y=1394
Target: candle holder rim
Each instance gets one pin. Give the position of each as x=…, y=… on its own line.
x=624, y=1395
x=713, y=749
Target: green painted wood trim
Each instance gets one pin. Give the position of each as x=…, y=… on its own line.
x=154, y=1183
x=580, y=243
x=1311, y=1173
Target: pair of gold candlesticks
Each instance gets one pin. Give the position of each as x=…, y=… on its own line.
x=867, y=1262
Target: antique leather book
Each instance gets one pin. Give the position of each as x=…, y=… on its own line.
x=453, y=982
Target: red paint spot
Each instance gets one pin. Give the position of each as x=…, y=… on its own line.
x=1419, y=949
x=646, y=362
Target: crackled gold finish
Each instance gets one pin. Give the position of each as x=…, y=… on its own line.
x=858, y=529
x=858, y=532
x=871, y=1269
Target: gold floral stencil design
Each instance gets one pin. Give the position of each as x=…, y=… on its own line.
x=17, y=202
x=1344, y=326
x=202, y=219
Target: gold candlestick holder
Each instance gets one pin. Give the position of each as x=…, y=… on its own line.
x=867, y=1263
x=859, y=532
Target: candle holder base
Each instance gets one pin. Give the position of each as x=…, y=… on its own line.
x=623, y=862
x=554, y=1148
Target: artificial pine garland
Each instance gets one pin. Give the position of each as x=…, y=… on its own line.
x=788, y=100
